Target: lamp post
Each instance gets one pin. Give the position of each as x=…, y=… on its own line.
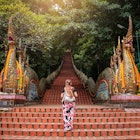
x=137, y=40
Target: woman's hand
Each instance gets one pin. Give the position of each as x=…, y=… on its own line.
x=75, y=94
x=62, y=95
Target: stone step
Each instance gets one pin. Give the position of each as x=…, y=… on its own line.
x=75, y=132
x=76, y=119
x=56, y=102
x=89, y=109
x=137, y=137
x=77, y=125
x=77, y=114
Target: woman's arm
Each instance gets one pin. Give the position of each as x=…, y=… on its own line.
x=75, y=92
x=62, y=94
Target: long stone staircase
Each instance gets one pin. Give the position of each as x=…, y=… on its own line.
x=91, y=122
x=52, y=95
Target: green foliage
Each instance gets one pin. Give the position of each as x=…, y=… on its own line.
x=88, y=27
x=35, y=32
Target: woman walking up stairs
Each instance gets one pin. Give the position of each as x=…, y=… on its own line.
x=45, y=121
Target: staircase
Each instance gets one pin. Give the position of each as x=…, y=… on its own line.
x=44, y=121
x=52, y=95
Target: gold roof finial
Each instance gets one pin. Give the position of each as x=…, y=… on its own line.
x=111, y=63
x=114, y=51
x=119, y=44
x=129, y=32
x=118, y=49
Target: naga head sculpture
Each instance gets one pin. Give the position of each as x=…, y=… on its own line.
x=11, y=35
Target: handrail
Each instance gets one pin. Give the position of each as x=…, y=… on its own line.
x=88, y=82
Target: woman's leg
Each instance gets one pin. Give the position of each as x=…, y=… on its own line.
x=68, y=114
x=71, y=114
x=65, y=115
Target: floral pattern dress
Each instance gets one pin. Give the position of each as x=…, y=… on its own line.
x=68, y=114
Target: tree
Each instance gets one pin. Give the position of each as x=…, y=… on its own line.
x=88, y=27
